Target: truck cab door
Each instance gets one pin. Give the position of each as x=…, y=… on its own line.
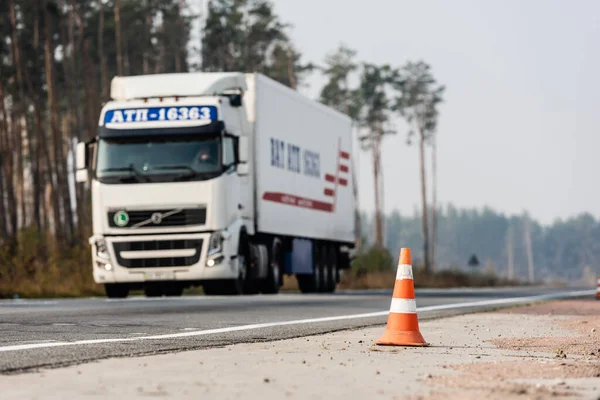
x=238, y=183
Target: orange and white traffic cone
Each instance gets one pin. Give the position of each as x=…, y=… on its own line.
x=598, y=289
x=403, y=324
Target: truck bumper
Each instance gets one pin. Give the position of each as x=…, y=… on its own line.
x=173, y=257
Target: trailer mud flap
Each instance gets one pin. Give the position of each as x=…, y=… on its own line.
x=301, y=257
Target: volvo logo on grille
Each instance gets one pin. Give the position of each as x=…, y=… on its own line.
x=156, y=218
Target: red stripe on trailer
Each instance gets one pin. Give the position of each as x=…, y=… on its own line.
x=344, y=168
x=329, y=178
x=343, y=182
x=345, y=155
x=297, y=201
x=328, y=192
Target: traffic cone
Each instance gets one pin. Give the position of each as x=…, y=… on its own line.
x=403, y=324
x=598, y=289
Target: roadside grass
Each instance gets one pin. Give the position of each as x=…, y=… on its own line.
x=385, y=280
x=39, y=268
x=80, y=284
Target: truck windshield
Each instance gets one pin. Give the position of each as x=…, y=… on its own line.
x=158, y=159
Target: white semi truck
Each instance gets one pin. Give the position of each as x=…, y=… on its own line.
x=225, y=180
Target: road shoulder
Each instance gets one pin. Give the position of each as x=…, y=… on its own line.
x=541, y=351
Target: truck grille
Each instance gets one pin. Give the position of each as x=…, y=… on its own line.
x=140, y=219
x=153, y=245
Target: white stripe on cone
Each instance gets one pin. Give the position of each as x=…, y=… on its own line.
x=404, y=272
x=403, y=306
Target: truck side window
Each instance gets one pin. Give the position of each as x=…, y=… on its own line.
x=228, y=151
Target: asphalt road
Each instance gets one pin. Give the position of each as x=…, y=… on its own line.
x=52, y=333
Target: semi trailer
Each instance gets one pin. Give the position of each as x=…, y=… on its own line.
x=225, y=180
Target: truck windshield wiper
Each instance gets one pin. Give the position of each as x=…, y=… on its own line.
x=191, y=172
x=182, y=166
x=131, y=168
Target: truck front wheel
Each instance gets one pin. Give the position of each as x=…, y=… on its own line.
x=116, y=290
x=272, y=283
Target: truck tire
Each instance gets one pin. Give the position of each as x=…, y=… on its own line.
x=234, y=287
x=272, y=283
x=312, y=283
x=223, y=287
x=116, y=290
x=250, y=254
x=212, y=288
x=330, y=270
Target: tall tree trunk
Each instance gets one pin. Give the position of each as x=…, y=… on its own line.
x=93, y=110
x=425, y=225
x=37, y=135
x=177, y=43
x=3, y=216
x=291, y=73
x=147, y=32
x=20, y=176
x=101, y=57
x=8, y=165
x=19, y=121
x=376, y=170
x=4, y=150
x=117, y=12
x=433, y=201
x=528, y=248
x=91, y=104
x=126, y=69
x=35, y=157
x=510, y=253
x=56, y=175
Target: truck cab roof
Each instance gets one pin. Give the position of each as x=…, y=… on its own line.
x=175, y=85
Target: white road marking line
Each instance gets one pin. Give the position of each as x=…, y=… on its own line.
x=514, y=300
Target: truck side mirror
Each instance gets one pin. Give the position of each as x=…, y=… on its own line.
x=243, y=169
x=243, y=149
x=81, y=162
x=81, y=175
x=81, y=155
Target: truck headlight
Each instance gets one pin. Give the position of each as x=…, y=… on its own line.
x=104, y=266
x=101, y=249
x=215, y=243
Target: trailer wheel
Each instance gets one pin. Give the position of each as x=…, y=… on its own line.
x=116, y=290
x=331, y=267
x=312, y=283
x=271, y=284
x=212, y=288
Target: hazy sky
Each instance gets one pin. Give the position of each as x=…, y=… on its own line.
x=520, y=129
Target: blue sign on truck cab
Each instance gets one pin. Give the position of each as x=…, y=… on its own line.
x=159, y=114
